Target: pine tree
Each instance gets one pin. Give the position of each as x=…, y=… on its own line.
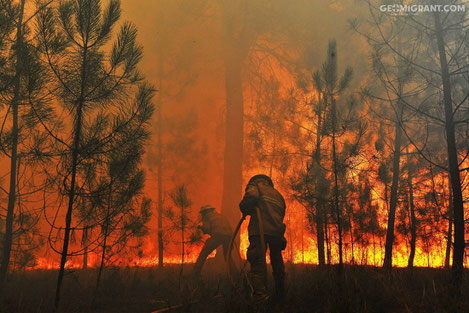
x=91, y=82
x=181, y=220
x=21, y=81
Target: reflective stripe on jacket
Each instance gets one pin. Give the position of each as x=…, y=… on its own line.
x=271, y=206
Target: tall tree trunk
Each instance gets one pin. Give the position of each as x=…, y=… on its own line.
x=183, y=252
x=160, y=178
x=8, y=237
x=320, y=234
x=349, y=213
x=326, y=233
x=449, y=235
x=413, y=226
x=101, y=267
x=374, y=250
x=458, y=207
x=272, y=160
x=290, y=235
x=237, y=39
x=394, y=189
x=234, y=133
x=77, y=129
x=105, y=232
x=336, y=184
x=303, y=243
x=84, y=242
x=427, y=245
x=320, y=202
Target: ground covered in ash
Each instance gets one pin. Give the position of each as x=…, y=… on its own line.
x=310, y=289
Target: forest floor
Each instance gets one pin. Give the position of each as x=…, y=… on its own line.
x=310, y=289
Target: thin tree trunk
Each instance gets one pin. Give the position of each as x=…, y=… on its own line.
x=183, y=252
x=105, y=235
x=336, y=185
x=71, y=195
x=374, y=250
x=449, y=235
x=320, y=202
x=8, y=237
x=351, y=234
x=272, y=160
x=320, y=233
x=413, y=226
x=160, y=180
x=427, y=246
x=291, y=241
x=394, y=189
x=84, y=242
x=302, y=243
x=100, y=270
x=458, y=207
x=101, y=265
x=326, y=233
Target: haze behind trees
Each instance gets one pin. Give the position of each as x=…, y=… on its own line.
x=211, y=92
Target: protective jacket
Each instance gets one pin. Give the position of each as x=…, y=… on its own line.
x=271, y=206
x=213, y=223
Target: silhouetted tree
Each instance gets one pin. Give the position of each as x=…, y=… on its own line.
x=338, y=124
x=443, y=90
x=21, y=88
x=181, y=220
x=16, y=82
x=89, y=81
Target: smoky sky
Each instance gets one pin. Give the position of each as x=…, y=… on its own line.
x=183, y=58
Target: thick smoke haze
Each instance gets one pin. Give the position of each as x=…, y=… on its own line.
x=184, y=41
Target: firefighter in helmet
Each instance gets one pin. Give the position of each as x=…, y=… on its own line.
x=261, y=197
x=219, y=229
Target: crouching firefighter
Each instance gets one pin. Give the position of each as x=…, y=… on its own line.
x=219, y=229
x=266, y=229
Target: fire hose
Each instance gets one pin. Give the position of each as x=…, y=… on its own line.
x=230, y=248
x=233, y=237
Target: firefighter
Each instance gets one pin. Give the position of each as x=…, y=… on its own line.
x=219, y=229
x=261, y=196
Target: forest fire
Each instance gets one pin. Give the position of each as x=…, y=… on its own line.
x=302, y=251
x=135, y=136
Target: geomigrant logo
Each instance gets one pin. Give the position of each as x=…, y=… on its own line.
x=404, y=9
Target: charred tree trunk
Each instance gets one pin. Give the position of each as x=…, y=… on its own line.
x=336, y=183
x=458, y=207
x=374, y=250
x=302, y=244
x=320, y=234
x=349, y=213
x=290, y=238
x=413, y=226
x=393, y=198
x=181, y=270
x=326, y=235
x=84, y=242
x=101, y=264
x=8, y=237
x=449, y=235
x=234, y=133
x=160, y=179
x=320, y=202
